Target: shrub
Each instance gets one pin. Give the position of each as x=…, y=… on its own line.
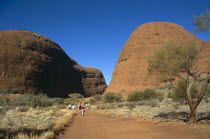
x=74, y=98
x=135, y=96
x=109, y=97
x=179, y=92
x=143, y=95
x=11, y=91
x=150, y=94
x=167, y=86
x=208, y=91
x=106, y=106
x=101, y=106
x=31, y=100
x=4, y=101
x=176, y=106
x=154, y=104
x=22, y=109
x=92, y=101
x=131, y=106
x=98, y=98
x=120, y=105
x=118, y=97
x=86, y=102
x=57, y=100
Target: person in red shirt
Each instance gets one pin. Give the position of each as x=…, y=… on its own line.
x=83, y=110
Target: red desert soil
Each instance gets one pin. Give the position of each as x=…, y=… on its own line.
x=96, y=126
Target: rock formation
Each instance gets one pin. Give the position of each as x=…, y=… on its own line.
x=131, y=68
x=34, y=63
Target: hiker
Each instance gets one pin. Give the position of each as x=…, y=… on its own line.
x=79, y=106
x=83, y=110
x=69, y=106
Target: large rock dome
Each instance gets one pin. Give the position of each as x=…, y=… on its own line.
x=131, y=68
x=34, y=63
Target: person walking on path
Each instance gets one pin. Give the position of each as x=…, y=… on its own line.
x=83, y=110
x=69, y=106
x=80, y=107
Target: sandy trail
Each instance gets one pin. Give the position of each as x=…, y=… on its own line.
x=96, y=126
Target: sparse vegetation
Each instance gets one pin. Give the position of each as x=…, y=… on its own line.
x=74, y=98
x=92, y=101
x=152, y=110
x=167, y=86
x=179, y=60
x=30, y=100
x=98, y=98
x=112, y=97
x=32, y=116
x=34, y=122
x=143, y=95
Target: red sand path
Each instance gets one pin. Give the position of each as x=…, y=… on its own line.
x=96, y=126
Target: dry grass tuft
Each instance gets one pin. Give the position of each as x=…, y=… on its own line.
x=43, y=123
x=25, y=136
x=49, y=135
x=63, y=122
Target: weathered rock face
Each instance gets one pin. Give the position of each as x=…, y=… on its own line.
x=34, y=63
x=131, y=69
x=92, y=80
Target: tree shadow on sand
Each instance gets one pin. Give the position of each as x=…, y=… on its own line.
x=202, y=118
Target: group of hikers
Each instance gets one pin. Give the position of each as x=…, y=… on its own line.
x=79, y=106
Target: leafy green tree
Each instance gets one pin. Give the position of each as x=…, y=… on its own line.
x=179, y=60
x=98, y=98
x=202, y=22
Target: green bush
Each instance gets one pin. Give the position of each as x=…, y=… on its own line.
x=30, y=100
x=208, y=90
x=40, y=100
x=86, y=102
x=109, y=97
x=98, y=98
x=143, y=95
x=4, y=101
x=57, y=100
x=167, y=86
x=118, y=97
x=135, y=96
x=150, y=94
x=179, y=92
x=11, y=91
x=74, y=98
x=92, y=101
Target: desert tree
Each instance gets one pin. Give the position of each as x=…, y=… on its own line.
x=202, y=22
x=180, y=59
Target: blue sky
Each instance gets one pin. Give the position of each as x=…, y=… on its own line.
x=93, y=32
